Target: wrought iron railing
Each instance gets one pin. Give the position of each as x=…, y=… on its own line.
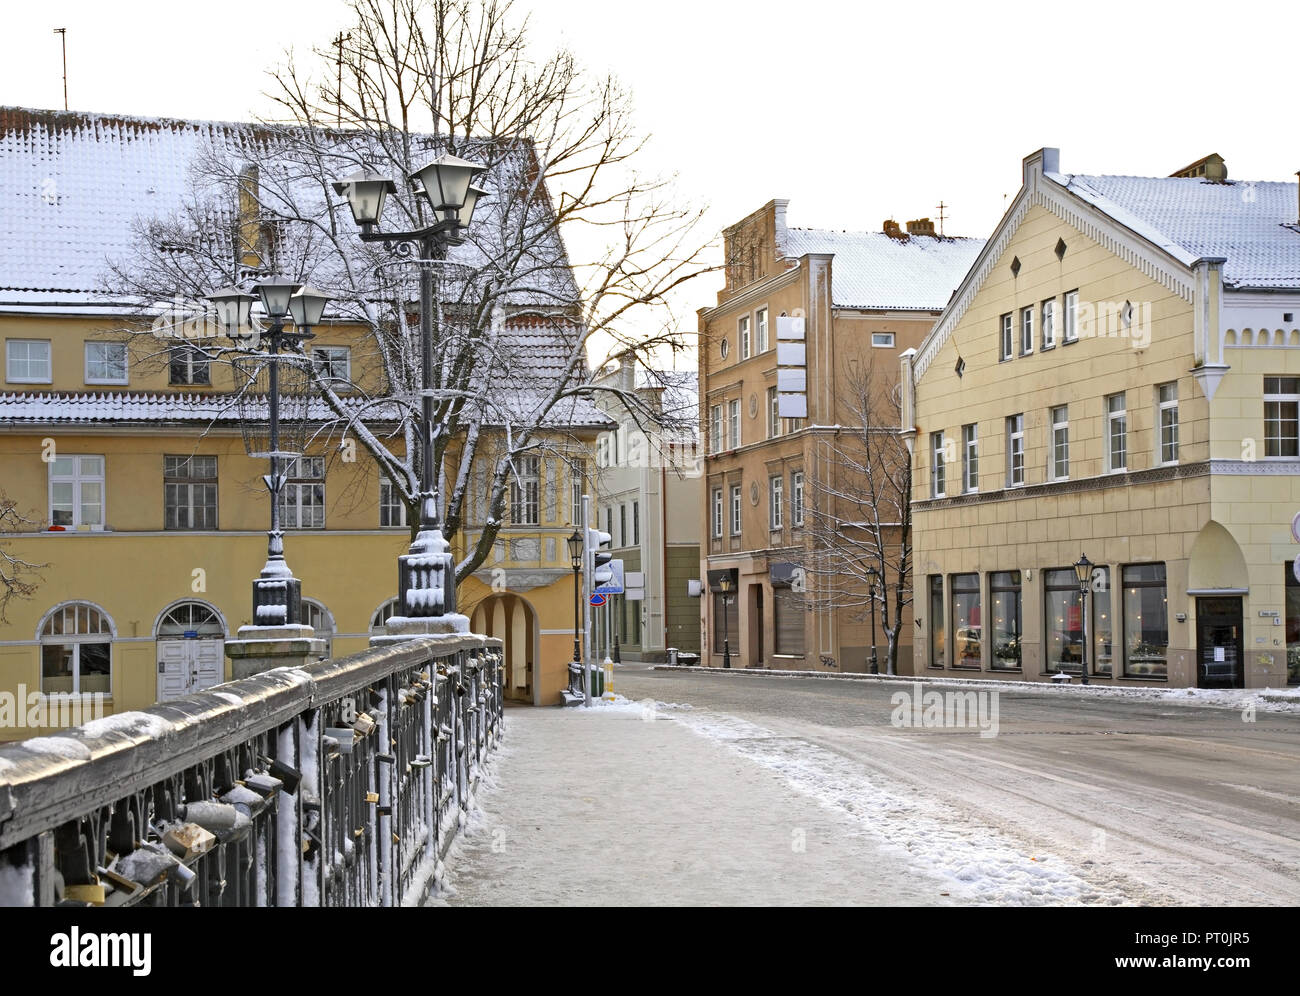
x=341, y=783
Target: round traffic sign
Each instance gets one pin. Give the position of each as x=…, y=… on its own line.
x=598, y=599
x=1295, y=527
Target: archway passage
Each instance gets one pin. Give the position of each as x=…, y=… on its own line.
x=191, y=649
x=511, y=619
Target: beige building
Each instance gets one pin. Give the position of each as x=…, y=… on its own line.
x=1117, y=377
x=861, y=298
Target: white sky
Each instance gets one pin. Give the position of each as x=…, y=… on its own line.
x=854, y=111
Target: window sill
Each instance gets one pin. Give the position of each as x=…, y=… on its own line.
x=1069, y=342
x=107, y=383
x=1045, y=349
x=20, y=380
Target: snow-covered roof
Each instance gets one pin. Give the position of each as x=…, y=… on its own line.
x=875, y=270
x=1250, y=224
x=118, y=407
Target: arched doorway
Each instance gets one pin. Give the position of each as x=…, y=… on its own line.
x=191, y=643
x=511, y=619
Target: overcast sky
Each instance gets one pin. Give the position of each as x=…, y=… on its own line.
x=854, y=111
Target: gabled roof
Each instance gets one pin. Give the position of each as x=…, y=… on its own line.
x=1250, y=224
x=875, y=270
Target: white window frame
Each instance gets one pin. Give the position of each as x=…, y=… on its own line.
x=1027, y=331
x=391, y=503
x=1059, y=451
x=78, y=479
x=106, y=346
x=1070, y=332
x=736, y=510
x=1166, y=417
x=1048, y=323
x=733, y=424
x=717, y=429
x=773, y=413
x=636, y=523
x=1016, y=450
x=717, y=513
x=888, y=338
x=1116, y=426
x=970, y=457
x=194, y=358
x=1007, y=337
x=577, y=477
x=1281, y=397
x=301, y=477
x=325, y=362
x=179, y=479
x=776, y=501
x=10, y=361
x=76, y=640
x=742, y=330
x=938, y=469
x=760, y=331
x=796, y=498
x=525, y=492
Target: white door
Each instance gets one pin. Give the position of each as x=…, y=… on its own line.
x=186, y=666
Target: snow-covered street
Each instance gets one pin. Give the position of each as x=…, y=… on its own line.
x=748, y=790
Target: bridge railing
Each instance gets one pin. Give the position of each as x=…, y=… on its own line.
x=341, y=783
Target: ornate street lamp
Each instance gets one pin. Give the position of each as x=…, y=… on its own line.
x=426, y=572
x=724, y=585
x=872, y=577
x=1083, y=571
x=277, y=594
x=575, y=554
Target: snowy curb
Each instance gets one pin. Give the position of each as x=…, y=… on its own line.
x=1281, y=700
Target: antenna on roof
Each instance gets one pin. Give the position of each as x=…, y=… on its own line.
x=64, y=33
x=940, y=209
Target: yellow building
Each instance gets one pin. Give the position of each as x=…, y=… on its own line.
x=1116, y=378
x=148, y=517
x=861, y=298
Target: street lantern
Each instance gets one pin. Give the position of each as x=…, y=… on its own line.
x=472, y=200
x=575, y=549
x=724, y=586
x=366, y=191
x=575, y=555
x=275, y=293
x=307, y=307
x=446, y=182
x=234, y=308
x=872, y=577
x=1083, y=571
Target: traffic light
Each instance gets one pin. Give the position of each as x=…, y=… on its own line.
x=601, y=572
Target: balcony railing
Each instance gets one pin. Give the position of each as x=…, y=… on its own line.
x=341, y=783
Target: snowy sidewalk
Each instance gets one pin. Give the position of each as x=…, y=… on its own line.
x=617, y=806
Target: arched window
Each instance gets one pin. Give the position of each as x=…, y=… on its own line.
x=77, y=650
x=381, y=616
x=190, y=617
x=319, y=618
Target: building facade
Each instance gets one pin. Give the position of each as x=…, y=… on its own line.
x=1116, y=378
x=863, y=298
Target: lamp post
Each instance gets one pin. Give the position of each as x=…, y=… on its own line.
x=872, y=577
x=575, y=555
x=1083, y=571
x=724, y=585
x=277, y=594
x=426, y=576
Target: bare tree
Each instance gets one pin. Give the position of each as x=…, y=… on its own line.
x=18, y=577
x=520, y=322
x=859, y=518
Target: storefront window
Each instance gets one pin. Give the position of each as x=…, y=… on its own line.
x=1146, y=621
x=1102, y=660
x=1004, y=592
x=1063, y=621
x=938, y=649
x=966, y=620
x=1292, y=625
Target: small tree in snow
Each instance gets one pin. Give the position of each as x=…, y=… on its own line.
x=18, y=577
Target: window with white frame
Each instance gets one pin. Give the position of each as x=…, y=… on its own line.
x=188, y=365
x=1282, y=416
x=1049, y=323
x=760, y=330
x=715, y=429
x=1006, y=337
x=882, y=339
x=744, y=337
x=106, y=363
x=1015, y=450
x=937, y=486
x=392, y=510
x=77, y=651
x=796, y=498
x=970, y=466
x=1116, y=433
x=1026, y=331
x=524, y=491
x=577, y=475
x=776, y=501
x=1070, y=333
x=333, y=363
x=190, y=492
x=733, y=423
x=622, y=525
x=735, y=510
x=77, y=491
x=1060, y=443
x=773, y=413
x=1167, y=421
x=27, y=361
x=302, y=502
x=636, y=523
x=717, y=513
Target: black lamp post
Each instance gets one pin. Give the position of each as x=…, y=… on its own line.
x=724, y=585
x=277, y=594
x=575, y=554
x=426, y=575
x=872, y=577
x=1083, y=571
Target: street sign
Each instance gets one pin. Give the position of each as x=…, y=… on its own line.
x=615, y=585
x=634, y=586
x=597, y=599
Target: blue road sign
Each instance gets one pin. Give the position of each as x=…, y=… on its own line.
x=597, y=599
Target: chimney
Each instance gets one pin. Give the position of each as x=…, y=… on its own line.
x=922, y=226
x=892, y=230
